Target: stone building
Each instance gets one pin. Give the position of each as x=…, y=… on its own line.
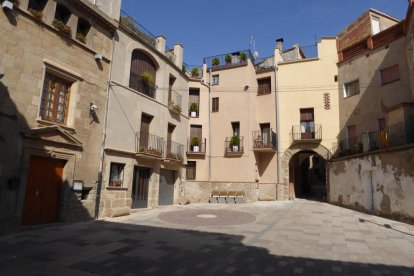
x=55, y=56
x=147, y=122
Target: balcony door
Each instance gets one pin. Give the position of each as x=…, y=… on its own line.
x=307, y=123
x=144, y=130
x=169, y=137
x=352, y=138
x=265, y=129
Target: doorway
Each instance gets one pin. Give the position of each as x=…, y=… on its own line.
x=166, y=190
x=140, y=187
x=44, y=184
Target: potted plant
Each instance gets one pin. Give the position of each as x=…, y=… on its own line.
x=194, y=72
x=62, y=27
x=215, y=61
x=235, y=143
x=147, y=78
x=81, y=37
x=243, y=56
x=195, y=143
x=193, y=109
x=184, y=68
x=37, y=14
x=228, y=59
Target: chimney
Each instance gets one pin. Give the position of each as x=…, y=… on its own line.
x=178, y=52
x=279, y=44
x=160, y=43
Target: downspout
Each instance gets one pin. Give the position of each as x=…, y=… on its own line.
x=102, y=153
x=209, y=126
x=277, y=126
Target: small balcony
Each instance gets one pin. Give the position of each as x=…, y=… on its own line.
x=228, y=60
x=175, y=102
x=149, y=145
x=264, y=141
x=196, y=146
x=175, y=152
x=143, y=86
x=306, y=133
x=233, y=146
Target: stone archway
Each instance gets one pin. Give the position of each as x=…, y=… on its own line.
x=291, y=151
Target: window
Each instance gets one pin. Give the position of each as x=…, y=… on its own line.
x=62, y=13
x=82, y=30
x=191, y=170
x=375, y=25
x=351, y=88
x=37, y=5
x=264, y=86
x=307, y=123
x=116, y=176
x=390, y=74
x=216, y=80
x=215, y=107
x=55, y=99
x=142, y=74
x=194, y=101
x=236, y=128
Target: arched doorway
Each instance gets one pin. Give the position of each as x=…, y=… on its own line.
x=307, y=175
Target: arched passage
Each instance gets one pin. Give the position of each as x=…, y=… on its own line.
x=305, y=158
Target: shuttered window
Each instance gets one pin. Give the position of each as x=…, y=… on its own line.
x=194, y=96
x=390, y=74
x=264, y=86
x=196, y=131
x=55, y=99
x=191, y=170
x=215, y=106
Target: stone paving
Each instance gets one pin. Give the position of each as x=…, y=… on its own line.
x=264, y=238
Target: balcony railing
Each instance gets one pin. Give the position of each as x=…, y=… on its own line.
x=228, y=60
x=310, y=51
x=307, y=132
x=234, y=146
x=196, y=146
x=149, y=144
x=139, y=84
x=175, y=101
x=393, y=136
x=136, y=28
x=194, y=71
x=352, y=145
x=175, y=151
x=263, y=140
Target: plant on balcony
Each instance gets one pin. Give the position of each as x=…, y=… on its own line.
x=150, y=151
x=174, y=156
x=358, y=148
x=235, y=143
x=243, y=56
x=194, y=72
x=62, y=27
x=228, y=59
x=215, y=61
x=147, y=78
x=37, y=14
x=81, y=37
x=193, y=109
x=195, y=143
x=184, y=68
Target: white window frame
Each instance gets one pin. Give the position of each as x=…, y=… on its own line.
x=215, y=80
x=345, y=90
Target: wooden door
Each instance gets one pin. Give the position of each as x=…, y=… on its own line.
x=144, y=130
x=44, y=181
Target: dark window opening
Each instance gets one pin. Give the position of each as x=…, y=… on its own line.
x=37, y=5
x=191, y=170
x=215, y=106
x=82, y=30
x=116, y=175
x=62, y=13
x=236, y=128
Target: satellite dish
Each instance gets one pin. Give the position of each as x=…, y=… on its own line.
x=256, y=54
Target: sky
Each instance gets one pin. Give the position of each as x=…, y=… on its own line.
x=216, y=27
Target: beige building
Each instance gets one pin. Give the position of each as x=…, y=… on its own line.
x=55, y=56
x=242, y=103
x=146, y=125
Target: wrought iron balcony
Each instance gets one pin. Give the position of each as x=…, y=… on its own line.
x=139, y=84
x=196, y=146
x=233, y=146
x=175, y=152
x=228, y=60
x=175, y=101
x=264, y=141
x=307, y=133
x=149, y=145
x=393, y=136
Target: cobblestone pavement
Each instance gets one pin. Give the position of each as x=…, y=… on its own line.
x=264, y=238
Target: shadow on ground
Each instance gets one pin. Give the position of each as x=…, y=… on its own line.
x=107, y=248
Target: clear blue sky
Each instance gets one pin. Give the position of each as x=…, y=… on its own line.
x=220, y=26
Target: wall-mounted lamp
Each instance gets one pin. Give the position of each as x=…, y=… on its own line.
x=7, y=5
x=92, y=108
x=77, y=186
x=98, y=56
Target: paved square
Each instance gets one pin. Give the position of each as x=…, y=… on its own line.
x=263, y=238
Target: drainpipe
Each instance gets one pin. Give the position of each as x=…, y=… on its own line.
x=102, y=153
x=277, y=126
x=208, y=85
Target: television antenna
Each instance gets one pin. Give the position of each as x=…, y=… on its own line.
x=252, y=43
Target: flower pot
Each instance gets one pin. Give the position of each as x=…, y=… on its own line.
x=7, y=5
x=196, y=148
x=235, y=148
x=193, y=114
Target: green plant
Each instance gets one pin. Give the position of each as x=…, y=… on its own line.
x=81, y=37
x=358, y=148
x=194, y=107
x=62, y=27
x=195, y=141
x=194, y=72
x=215, y=61
x=243, y=56
x=228, y=59
x=184, y=68
x=37, y=14
x=146, y=77
x=235, y=141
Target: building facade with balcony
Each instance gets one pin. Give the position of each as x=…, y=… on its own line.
x=372, y=164
x=147, y=123
x=50, y=127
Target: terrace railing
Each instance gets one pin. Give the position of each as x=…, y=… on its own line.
x=393, y=136
x=132, y=25
x=228, y=60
